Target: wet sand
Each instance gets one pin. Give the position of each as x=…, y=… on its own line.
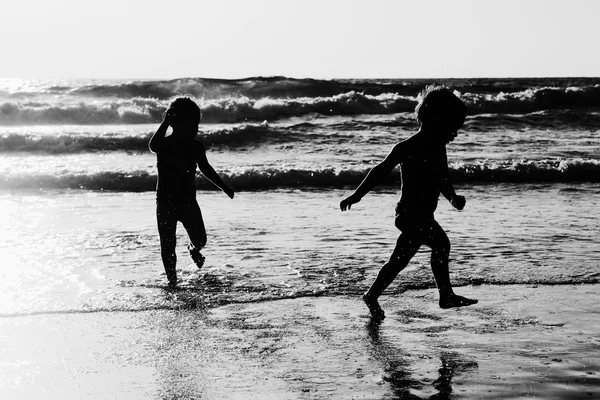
x=518, y=342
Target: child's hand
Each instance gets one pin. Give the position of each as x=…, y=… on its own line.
x=458, y=202
x=346, y=204
x=168, y=116
x=229, y=192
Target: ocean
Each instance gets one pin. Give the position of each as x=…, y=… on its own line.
x=77, y=189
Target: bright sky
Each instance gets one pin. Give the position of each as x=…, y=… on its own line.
x=299, y=38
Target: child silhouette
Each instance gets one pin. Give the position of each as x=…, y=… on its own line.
x=424, y=172
x=177, y=157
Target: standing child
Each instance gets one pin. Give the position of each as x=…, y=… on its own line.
x=424, y=172
x=177, y=157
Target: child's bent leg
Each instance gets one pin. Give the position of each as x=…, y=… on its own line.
x=194, y=225
x=406, y=247
x=437, y=239
x=167, y=225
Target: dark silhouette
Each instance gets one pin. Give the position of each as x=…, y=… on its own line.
x=424, y=171
x=177, y=155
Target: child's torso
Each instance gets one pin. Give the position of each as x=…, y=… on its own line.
x=422, y=172
x=176, y=170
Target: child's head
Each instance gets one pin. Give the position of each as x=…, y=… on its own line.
x=439, y=108
x=186, y=115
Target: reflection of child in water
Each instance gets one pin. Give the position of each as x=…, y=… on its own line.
x=424, y=171
x=398, y=368
x=177, y=155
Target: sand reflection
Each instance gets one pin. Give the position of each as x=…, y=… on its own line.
x=398, y=368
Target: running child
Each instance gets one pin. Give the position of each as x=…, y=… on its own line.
x=177, y=157
x=424, y=172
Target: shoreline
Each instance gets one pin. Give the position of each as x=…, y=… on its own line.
x=519, y=341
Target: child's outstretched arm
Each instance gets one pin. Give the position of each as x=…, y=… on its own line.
x=375, y=174
x=447, y=189
x=157, y=139
x=209, y=172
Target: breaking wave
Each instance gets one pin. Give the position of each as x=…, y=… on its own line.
x=258, y=99
x=273, y=178
x=78, y=142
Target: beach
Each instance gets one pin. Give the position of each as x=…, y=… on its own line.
x=511, y=345
x=276, y=311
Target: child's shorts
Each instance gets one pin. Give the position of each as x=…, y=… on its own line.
x=414, y=222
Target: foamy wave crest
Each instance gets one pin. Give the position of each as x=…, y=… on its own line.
x=533, y=99
x=253, y=88
x=132, y=111
x=539, y=171
x=273, y=178
x=234, y=136
x=138, y=181
x=351, y=103
x=243, y=179
x=544, y=91
x=238, y=108
x=72, y=144
x=512, y=171
x=224, y=110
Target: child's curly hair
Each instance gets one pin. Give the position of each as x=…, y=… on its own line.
x=438, y=102
x=187, y=108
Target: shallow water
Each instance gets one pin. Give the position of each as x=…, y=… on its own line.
x=84, y=251
x=77, y=189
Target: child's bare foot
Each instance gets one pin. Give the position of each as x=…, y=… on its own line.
x=172, y=285
x=376, y=311
x=454, y=300
x=197, y=257
x=171, y=277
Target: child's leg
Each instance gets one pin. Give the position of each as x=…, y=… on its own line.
x=407, y=246
x=194, y=225
x=436, y=238
x=167, y=225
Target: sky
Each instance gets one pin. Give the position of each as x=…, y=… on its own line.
x=324, y=39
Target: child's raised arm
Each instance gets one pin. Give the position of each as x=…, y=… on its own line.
x=379, y=171
x=208, y=171
x=157, y=139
